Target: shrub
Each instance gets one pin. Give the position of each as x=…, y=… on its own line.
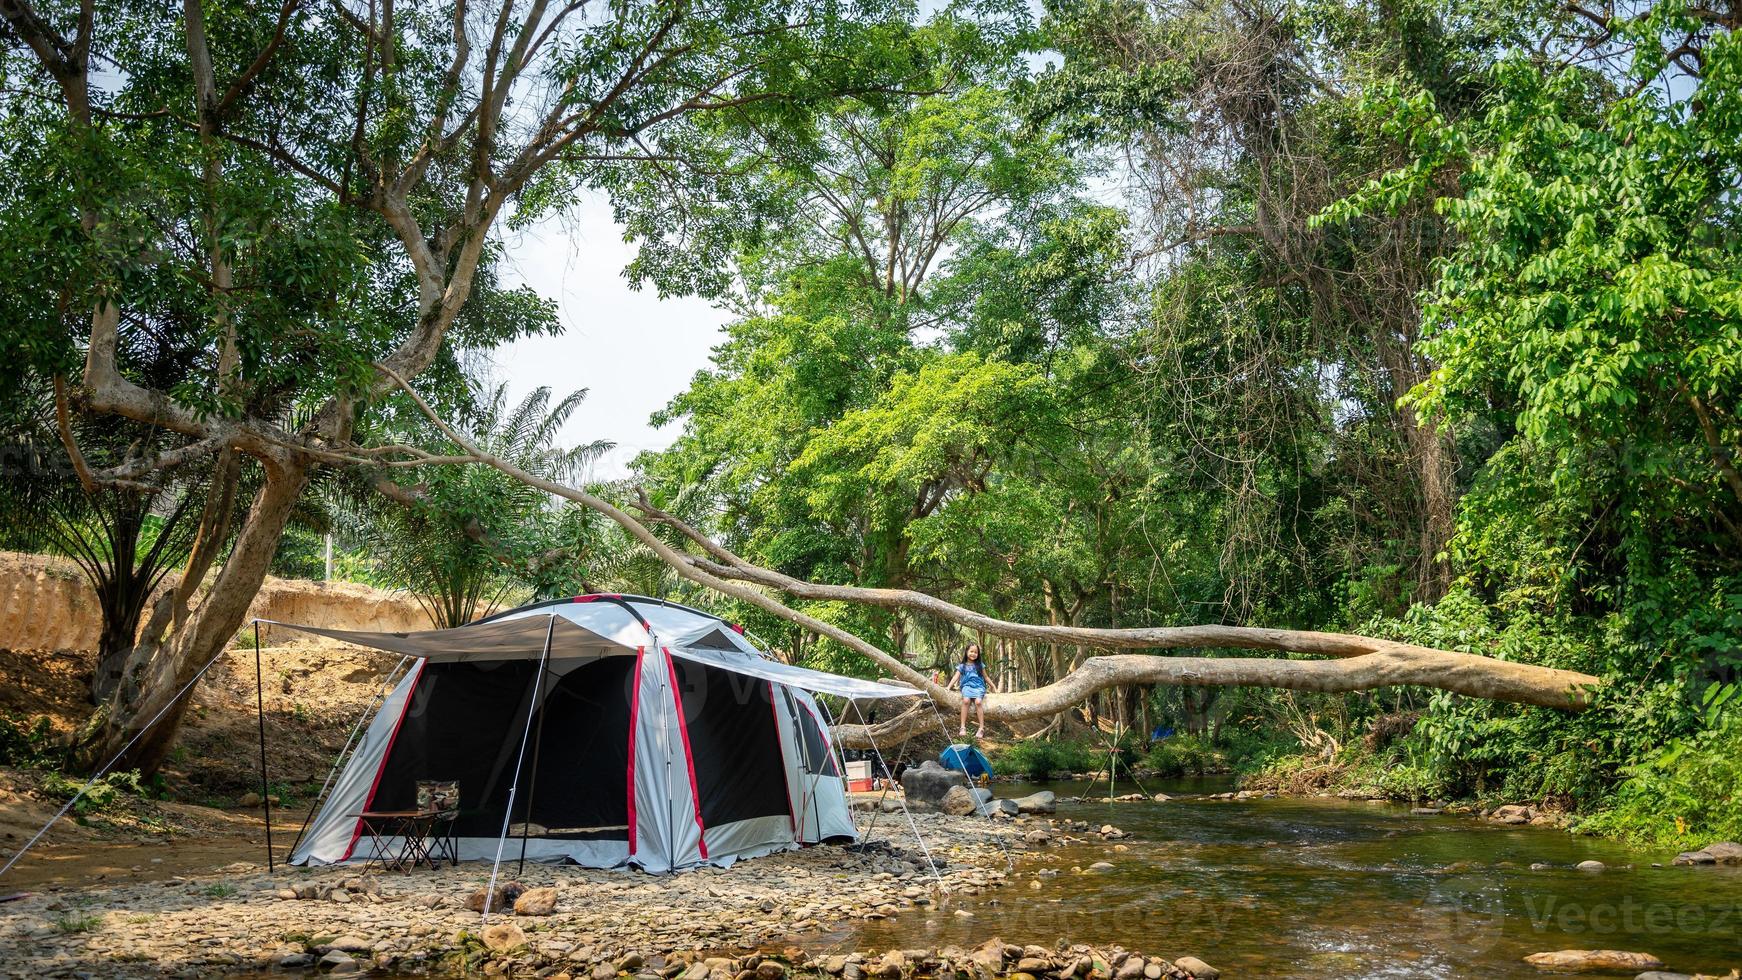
x=1038, y=759
x=26, y=743
x=1685, y=794
x=1184, y=755
x=1033, y=759
x=102, y=795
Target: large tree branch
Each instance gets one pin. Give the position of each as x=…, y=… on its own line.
x=1370, y=663
x=731, y=566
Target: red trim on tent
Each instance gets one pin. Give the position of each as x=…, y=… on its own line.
x=634, y=713
x=773, y=708
x=375, y=784
x=689, y=759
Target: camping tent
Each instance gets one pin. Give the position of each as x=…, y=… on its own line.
x=608, y=730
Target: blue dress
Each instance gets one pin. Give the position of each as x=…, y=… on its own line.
x=973, y=680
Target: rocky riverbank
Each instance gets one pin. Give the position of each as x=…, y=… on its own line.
x=709, y=924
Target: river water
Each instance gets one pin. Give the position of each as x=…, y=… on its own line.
x=1320, y=888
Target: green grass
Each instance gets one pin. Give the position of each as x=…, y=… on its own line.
x=72, y=923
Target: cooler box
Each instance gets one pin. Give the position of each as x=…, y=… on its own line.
x=859, y=777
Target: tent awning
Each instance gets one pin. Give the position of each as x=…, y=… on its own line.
x=815, y=681
x=523, y=638
x=503, y=639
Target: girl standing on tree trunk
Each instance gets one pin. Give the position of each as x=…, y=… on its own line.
x=971, y=675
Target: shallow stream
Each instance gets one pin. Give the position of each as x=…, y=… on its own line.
x=1321, y=888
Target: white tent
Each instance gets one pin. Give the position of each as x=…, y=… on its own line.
x=660, y=738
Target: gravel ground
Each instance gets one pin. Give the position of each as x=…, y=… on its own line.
x=239, y=919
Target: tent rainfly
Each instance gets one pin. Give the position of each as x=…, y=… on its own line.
x=660, y=739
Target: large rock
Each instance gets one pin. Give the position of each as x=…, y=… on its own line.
x=1694, y=857
x=1726, y=852
x=959, y=801
x=1592, y=960
x=537, y=901
x=505, y=897
x=503, y=935
x=1041, y=802
x=928, y=782
x=1513, y=814
x=1197, y=968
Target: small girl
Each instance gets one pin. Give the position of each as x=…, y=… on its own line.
x=971, y=675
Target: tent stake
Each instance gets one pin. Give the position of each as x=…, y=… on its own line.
x=260, y=714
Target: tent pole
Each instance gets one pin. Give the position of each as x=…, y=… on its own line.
x=532, y=780
x=260, y=715
x=508, y=813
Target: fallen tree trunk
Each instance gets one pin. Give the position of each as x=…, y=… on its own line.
x=1366, y=662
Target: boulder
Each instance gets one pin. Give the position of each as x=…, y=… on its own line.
x=1726, y=852
x=988, y=957
x=1101, y=866
x=959, y=801
x=1042, y=802
x=1131, y=969
x=928, y=782
x=1590, y=866
x=351, y=944
x=536, y=901
x=1694, y=857
x=506, y=895
x=1037, y=838
x=1593, y=961
x=1513, y=814
x=1197, y=968
x=503, y=935
x=1007, y=808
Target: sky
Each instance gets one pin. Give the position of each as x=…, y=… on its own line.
x=632, y=350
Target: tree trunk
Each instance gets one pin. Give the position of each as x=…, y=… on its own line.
x=148, y=702
x=114, y=644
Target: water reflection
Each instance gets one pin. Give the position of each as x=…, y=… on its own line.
x=1332, y=888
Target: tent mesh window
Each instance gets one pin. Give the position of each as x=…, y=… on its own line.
x=818, y=760
x=465, y=723
x=733, y=743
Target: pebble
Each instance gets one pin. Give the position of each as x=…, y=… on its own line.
x=409, y=923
